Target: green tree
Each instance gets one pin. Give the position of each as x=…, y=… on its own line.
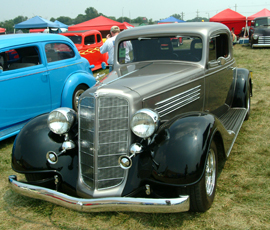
x=198, y=19
x=123, y=19
x=19, y=19
x=111, y=17
x=140, y=20
x=178, y=16
x=80, y=18
x=65, y=20
x=91, y=13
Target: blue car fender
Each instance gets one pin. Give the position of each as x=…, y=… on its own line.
x=71, y=83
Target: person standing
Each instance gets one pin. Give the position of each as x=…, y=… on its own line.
x=108, y=46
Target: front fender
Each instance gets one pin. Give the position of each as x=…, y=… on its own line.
x=71, y=83
x=180, y=157
x=30, y=149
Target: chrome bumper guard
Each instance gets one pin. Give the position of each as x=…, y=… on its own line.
x=108, y=204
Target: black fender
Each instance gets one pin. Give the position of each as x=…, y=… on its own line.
x=180, y=158
x=243, y=87
x=31, y=146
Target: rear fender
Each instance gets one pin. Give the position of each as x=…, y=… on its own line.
x=72, y=82
x=243, y=81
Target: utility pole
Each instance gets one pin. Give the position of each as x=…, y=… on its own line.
x=235, y=7
x=182, y=15
x=197, y=13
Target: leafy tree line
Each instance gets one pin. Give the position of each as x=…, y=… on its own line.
x=90, y=13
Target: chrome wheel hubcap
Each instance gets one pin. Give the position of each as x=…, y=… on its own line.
x=77, y=96
x=210, y=173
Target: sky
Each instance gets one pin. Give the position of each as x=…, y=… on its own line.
x=151, y=9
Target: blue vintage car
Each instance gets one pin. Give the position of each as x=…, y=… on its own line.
x=38, y=73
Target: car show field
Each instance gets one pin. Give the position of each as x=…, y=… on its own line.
x=243, y=190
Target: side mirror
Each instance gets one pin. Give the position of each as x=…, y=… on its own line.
x=1, y=69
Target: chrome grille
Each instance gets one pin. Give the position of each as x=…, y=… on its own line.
x=264, y=40
x=103, y=138
x=180, y=100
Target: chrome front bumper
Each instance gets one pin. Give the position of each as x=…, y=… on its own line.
x=261, y=45
x=129, y=204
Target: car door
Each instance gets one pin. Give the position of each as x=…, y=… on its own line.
x=24, y=85
x=92, y=45
x=60, y=63
x=219, y=74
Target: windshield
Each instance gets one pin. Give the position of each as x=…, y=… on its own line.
x=262, y=22
x=181, y=48
x=75, y=38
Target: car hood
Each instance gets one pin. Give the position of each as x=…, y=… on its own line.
x=151, y=76
x=265, y=31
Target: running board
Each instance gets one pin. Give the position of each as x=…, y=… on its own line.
x=232, y=121
x=11, y=131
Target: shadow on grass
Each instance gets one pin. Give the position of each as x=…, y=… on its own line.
x=7, y=142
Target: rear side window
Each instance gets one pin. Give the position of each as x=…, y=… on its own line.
x=20, y=58
x=98, y=38
x=58, y=52
x=89, y=40
x=75, y=38
x=218, y=47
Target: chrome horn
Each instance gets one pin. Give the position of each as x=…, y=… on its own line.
x=52, y=157
x=126, y=161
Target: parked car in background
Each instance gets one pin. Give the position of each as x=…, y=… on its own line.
x=147, y=138
x=37, y=77
x=88, y=44
x=260, y=32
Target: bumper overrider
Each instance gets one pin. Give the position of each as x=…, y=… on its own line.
x=130, y=204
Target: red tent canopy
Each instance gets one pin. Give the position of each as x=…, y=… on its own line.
x=100, y=23
x=2, y=30
x=262, y=13
x=231, y=19
x=128, y=25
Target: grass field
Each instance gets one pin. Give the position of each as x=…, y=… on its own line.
x=243, y=194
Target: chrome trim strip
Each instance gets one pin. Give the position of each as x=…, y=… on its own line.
x=147, y=205
x=178, y=101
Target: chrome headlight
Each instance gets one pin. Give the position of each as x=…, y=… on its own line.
x=255, y=36
x=61, y=120
x=144, y=123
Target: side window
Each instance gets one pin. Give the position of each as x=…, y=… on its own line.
x=58, y=52
x=20, y=58
x=98, y=38
x=89, y=40
x=218, y=47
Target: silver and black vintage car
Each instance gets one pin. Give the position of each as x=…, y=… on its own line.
x=148, y=136
x=259, y=35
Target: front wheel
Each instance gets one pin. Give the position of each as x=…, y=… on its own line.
x=202, y=194
x=76, y=95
